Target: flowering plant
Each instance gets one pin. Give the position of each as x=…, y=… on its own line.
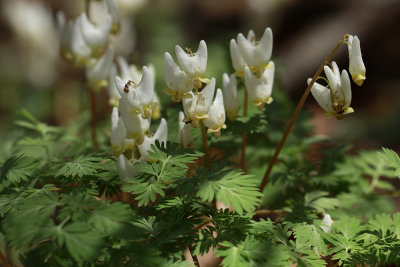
x=203, y=181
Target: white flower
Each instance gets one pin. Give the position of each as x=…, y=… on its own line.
x=128, y=72
x=178, y=82
x=255, y=53
x=260, y=88
x=140, y=96
x=132, y=119
x=356, y=64
x=65, y=28
x=196, y=107
x=113, y=11
x=79, y=48
x=185, y=132
x=238, y=62
x=231, y=102
x=237, y=59
x=112, y=88
x=97, y=74
x=161, y=135
x=126, y=170
x=96, y=37
x=336, y=99
x=193, y=64
x=216, y=115
x=118, y=133
x=326, y=223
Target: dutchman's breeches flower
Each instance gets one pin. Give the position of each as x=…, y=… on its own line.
x=96, y=37
x=194, y=64
x=97, y=74
x=216, y=115
x=178, y=82
x=118, y=133
x=196, y=107
x=161, y=135
x=126, y=170
x=335, y=98
x=256, y=54
x=327, y=223
x=231, y=102
x=356, y=64
x=185, y=132
x=260, y=88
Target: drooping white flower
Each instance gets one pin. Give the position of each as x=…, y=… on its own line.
x=161, y=135
x=326, y=223
x=141, y=96
x=216, y=115
x=356, y=64
x=97, y=74
x=237, y=59
x=178, y=82
x=126, y=170
x=185, y=132
x=118, y=133
x=96, y=37
x=113, y=11
x=128, y=72
x=196, y=107
x=65, y=28
x=194, y=64
x=260, y=88
x=238, y=62
x=231, y=101
x=256, y=54
x=80, y=50
x=132, y=119
x=336, y=98
x=112, y=88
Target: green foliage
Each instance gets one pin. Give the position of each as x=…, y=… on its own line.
x=62, y=203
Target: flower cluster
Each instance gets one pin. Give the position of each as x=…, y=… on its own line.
x=335, y=97
x=186, y=83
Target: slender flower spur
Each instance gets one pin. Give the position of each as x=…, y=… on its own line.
x=356, y=64
x=336, y=98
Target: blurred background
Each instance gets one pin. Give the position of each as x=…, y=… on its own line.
x=33, y=75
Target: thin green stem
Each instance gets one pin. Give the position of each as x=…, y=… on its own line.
x=296, y=113
x=207, y=161
x=244, y=135
x=93, y=117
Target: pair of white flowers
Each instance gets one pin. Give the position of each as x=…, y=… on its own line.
x=251, y=61
x=335, y=98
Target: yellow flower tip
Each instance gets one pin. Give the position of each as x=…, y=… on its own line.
x=204, y=80
x=117, y=150
x=269, y=100
x=113, y=102
x=232, y=114
x=358, y=79
x=268, y=66
x=340, y=116
x=348, y=110
x=115, y=28
x=197, y=84
x=97, y=85
x=130, y=146
x=202, y=116
x=156, y=113
x=240, y=74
